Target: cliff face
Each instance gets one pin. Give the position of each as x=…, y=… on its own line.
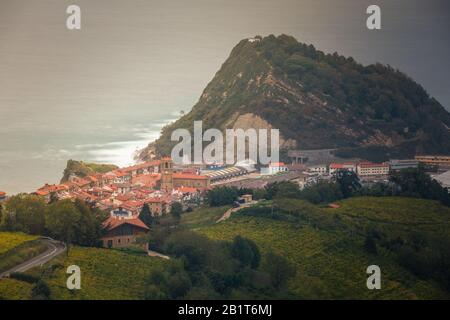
x=317, y=101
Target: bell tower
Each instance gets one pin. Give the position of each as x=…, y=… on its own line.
x=166, y=170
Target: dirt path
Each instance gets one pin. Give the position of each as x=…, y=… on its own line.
x=228, y=213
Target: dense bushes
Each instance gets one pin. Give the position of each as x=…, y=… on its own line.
x=71, y=222
x=417, y=183
x=207, y=269
x=423, y=254
x=221, y=196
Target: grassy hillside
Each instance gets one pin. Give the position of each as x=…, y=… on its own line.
x=105, y=274
x=202, y=217
x=17, y=247
x=11, y=289
x=82, y=169
x=10, y=240
x=327, y=245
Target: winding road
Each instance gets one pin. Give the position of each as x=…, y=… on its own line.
x=55, y=248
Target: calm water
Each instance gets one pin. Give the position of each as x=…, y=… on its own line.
x=100, y=93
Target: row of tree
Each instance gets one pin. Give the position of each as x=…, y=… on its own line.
x=65, y=220
x=205, y=269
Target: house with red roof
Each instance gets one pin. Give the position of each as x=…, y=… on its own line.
x=122, y=229
x=342, y=166
x=2, y=196
x=373, y=169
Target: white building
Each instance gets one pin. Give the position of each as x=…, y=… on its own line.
x=372, y=169
x=274, y=168
x=320, y=169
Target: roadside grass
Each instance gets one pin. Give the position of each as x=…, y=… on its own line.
x=330, y=260
x=201, y=217
x=10, y=240
x=21, y=253
x=106, y=274
x=12, y=289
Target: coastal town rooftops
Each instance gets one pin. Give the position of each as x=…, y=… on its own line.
x=189, y=176
x=187, y=190
x=142, y=166
x=277, y=164
x=47, y=189
x=2, y=194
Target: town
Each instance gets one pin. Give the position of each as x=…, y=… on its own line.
x=159, y=183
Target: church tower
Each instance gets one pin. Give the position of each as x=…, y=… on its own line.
x=166, y=170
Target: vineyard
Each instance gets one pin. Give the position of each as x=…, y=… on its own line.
x=105, y=274
x=202, y=217
x=330, y=260
x=11, y=289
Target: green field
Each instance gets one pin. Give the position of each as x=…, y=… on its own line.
x=330, y=261
x=201, y=217
x=11, y=289
x=10, y=240
x=105, y=274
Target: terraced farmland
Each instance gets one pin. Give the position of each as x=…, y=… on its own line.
x=331, y=262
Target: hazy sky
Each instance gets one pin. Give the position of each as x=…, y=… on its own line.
x=139, y=62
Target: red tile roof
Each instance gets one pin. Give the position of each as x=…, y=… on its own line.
x=112, y=223
x=142, y=166
x=277, y=164
x=2, y=193
x=189, y=176
x=187, y=190
x=371, y=164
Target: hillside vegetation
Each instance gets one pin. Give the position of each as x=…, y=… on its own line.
x=329, y=246
x=105, y=274
x=82, y=169
x=318, y=100
x=10, y=240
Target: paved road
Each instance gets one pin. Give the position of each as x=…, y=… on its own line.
x=55, y=248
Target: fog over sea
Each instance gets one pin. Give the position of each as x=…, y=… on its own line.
x=101, y=93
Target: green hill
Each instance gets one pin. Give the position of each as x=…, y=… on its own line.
x=105, y=274
x=317, y=100
x=327, y=245
x=82, y=169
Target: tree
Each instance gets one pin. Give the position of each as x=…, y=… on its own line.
x=62, y=221
x=370, y=245
x=417, y=183
x=284, y=189
x=89, y=227
x=25, y=213
x=146, y=215
x=40, y=291
x=176, y=210
x=178, y=284
x=348, y=182
x=245, y=251
x=221, y=196
x=279, y=269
